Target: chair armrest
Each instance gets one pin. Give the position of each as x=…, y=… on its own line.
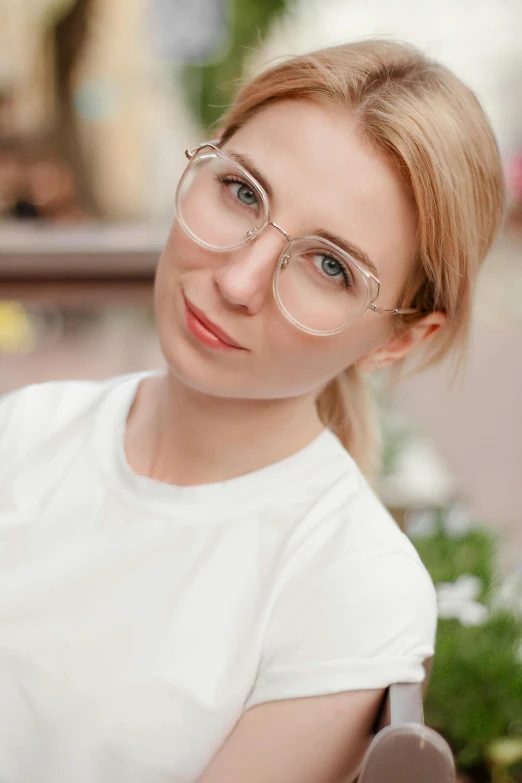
x=408, y=753
x=402, y=704
x=403, y=749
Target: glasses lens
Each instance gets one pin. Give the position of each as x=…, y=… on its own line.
x=319, y=288
x=217, y=204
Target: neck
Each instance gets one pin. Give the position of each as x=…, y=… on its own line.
x=181, y=436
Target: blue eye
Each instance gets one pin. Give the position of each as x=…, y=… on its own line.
x=331, y=267
x=334, y=269
x=246, y=195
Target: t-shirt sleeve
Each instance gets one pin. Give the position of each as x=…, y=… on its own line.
x=359, y=622
x=32, y=413
x=10, y=404
x=24, y=414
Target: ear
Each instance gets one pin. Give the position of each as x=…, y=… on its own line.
x=398, y=346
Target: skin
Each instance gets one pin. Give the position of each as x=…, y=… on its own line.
x=198, y=424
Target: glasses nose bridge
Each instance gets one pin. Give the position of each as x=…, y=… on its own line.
x=253, y=234
x=281, y=230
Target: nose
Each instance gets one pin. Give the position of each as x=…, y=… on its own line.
x=244, y=279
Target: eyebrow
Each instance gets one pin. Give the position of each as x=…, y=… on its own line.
x=344, y=244
x=249, y=165
x=349, y=248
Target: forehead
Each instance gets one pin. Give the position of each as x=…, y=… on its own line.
x=323, y=175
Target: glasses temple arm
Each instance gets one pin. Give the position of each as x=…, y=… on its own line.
x=395, y=311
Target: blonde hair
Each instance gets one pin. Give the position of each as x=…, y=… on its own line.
x=428, y=124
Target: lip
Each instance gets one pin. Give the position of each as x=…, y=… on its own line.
x=211, y=327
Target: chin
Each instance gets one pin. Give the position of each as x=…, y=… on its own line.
x=211, y=383
x=225, y=382
x=199, y=372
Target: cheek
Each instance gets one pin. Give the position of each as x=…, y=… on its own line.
x=335, y=353
x=294, y=362
x=301, y=363
x=168, y=274
x=179, y=248
x=181, y=253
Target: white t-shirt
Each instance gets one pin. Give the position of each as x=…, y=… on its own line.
x=138, y=619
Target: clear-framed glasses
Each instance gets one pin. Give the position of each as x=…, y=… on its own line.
x=318, y=286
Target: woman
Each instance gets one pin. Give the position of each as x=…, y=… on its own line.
x=198, y=582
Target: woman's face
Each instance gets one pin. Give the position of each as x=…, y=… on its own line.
x=322, y=177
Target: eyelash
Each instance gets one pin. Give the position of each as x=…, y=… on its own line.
x=227, y=179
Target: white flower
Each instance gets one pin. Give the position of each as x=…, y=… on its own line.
x=419, y=478
x=509, y=595
x=457, y=600
x=421, y=523
x=457, y=521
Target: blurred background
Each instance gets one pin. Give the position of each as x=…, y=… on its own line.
x=98, y=101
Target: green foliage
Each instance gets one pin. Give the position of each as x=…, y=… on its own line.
x=475, y=695
x=210, y=87
x=447, y=557
x=475, y=692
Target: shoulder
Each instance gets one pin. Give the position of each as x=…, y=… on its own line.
x=350, y=545
x=349, y=521
x=352, y=564
x=35, y=412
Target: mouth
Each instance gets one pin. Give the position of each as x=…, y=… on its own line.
x=207, y=331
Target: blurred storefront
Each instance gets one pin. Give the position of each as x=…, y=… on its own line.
x=82, y=90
